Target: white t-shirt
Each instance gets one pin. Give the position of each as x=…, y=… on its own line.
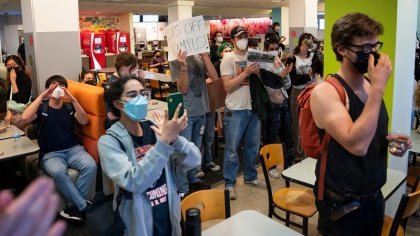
x=239, y=99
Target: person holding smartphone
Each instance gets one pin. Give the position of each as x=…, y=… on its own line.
x=140, y=158
x=190, y=74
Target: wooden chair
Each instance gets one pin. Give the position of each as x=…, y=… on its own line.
x=408, y=205
x=298, y=201
x=159, y=90
x=412, y=173
x=213, y=204
x=168, y=72
x=156, y=70
x=145, y=65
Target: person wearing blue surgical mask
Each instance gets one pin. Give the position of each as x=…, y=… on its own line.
x=140, y=158
x=217, y=40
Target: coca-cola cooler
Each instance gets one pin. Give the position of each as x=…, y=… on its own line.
x=85, y=42
x=111, y=41
x=123, y=42
x=97, y=51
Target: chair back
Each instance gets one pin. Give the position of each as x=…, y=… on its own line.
x=272, y=155
x=213, y=204
x=154, y=84
x=145, y=65
x=167, y=72
x=156, y=70
x=408, y=205
x=416, y=186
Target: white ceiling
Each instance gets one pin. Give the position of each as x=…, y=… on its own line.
x=216, y=8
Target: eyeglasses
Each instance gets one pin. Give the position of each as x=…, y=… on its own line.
x=366, y=48
x=133, y=94
x=13, y=65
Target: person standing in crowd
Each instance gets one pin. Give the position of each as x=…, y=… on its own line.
x=21, y=52
x=126, y=64
x=275, y=29
x=19, y=90
x=59, y=146
x=240, y=120
x=253, y=44
x=158, y=61
x=356, y=166
x=302, y=59
x=190, y=74
x=222, y=50
x=279, y=122
x=139, y=157
x=216, y=40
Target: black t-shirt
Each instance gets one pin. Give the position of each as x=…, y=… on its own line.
x=157, y=193
x=57, y=132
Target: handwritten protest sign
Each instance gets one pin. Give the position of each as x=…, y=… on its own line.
x=189, y=35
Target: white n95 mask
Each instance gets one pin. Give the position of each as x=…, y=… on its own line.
x=58, y=93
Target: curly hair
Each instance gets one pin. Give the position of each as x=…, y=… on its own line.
x=350, y=26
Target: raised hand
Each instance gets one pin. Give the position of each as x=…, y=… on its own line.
x=182, y=58
x=13, y=76
x=252, y=68
x=168, y=130
x=379, y=73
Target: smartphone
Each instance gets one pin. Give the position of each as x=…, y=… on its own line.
x=173, y=100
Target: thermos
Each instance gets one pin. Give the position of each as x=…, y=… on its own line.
x=193, y=222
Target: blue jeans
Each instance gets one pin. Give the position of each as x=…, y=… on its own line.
x=238, y=124
x=55, y=164
x=279, y=125
x=193, y=133
x=208, y=140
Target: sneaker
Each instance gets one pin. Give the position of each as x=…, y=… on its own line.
x=72, y=214
x=212, y=167
x=232, y=194
x=200, y=185
x=200, y=173
x=257, y=183
x=274, y=173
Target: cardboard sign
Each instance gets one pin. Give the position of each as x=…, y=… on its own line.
x=189, y=35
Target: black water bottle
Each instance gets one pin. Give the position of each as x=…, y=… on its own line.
x=193, y=222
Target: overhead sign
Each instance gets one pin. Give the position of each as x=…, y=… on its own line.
x=189, y=35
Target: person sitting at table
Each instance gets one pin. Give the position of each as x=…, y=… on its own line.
x=158, y=62
x=348, y=184
x=126, y=64
x=87, y=77
x=59, y=146
x=139, y=157
x=19, y=90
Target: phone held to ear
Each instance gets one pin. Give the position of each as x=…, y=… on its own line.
x=173, y=100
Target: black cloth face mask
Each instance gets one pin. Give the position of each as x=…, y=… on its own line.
x=362, y=59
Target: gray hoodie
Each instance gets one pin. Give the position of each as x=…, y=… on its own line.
x=136, y=177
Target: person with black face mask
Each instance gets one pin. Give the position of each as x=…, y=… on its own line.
x=19, y=89
x=158, y=61
x=351, y=202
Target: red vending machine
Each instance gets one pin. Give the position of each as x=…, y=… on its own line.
x=85, y=42
x=111, y=41
x=97, y=51
x=123, y=42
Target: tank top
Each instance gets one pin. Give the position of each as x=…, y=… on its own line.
x=347, y=173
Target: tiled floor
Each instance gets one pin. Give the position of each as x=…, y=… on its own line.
x=256, y=199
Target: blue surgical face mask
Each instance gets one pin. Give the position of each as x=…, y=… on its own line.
x=136, y=108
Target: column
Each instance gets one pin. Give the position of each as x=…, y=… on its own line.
x=179, y=10
x=399, y=44
x=281, y=15
x=52, y=40
x=276, y=15
x=303, y=19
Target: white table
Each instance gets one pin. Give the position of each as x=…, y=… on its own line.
x=415, y=137
x=158, y=76
x=249, y=223
x=156, y=104
x=8, y=150
x=9, y=133
x=304, y=173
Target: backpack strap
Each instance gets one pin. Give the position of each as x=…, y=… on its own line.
x=334, y=81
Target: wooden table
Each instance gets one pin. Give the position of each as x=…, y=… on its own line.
x=9, y=151
x=158, y=76
x=303, y=173
x=9, y=133
x=249, y=223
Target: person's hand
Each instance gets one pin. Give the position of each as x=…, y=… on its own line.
x=8, y=118
x=47, y=94
x=277, y=64
x=252, y=68
x=209, y=81
x=13, y=76
x=404, y=143
x=67, y=95
x=182, y=58
x=32, y=213
x=168, y=130
x=379, y=74
x=286, y=70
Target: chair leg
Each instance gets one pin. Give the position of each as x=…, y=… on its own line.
x=305, y=226
x=287, y=218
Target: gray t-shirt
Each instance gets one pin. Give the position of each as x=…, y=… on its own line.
x=196, y=101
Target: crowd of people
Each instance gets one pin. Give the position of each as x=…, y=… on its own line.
x=156, y=163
